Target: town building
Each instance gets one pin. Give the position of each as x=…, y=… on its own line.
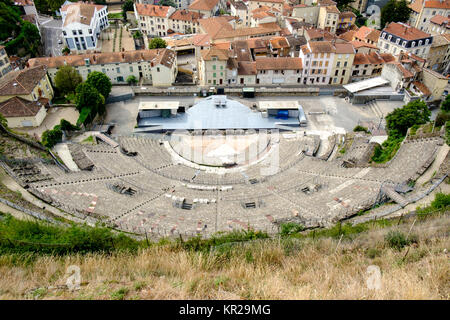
x=82, y=24
x=397, y=37
x=157, y=67
x=153, y=20
x=273, y=4
x=369, y=65
x=20, y=112
x=318, y=58
x=346, y=21
x=31, y=84
x=342, y=63
x=436, y=59
x=367, y=35
x=422, y=11
x=207, y=8
x=239, y=9
x=5, y=65
x=212, y=66
x=328, y=18
x=184, y=21
x=438, y=25
x=276, y=71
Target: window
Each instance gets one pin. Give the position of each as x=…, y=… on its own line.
x=404, y=44
x=338, y=64
x=214, y=75
x=157, y=69
x=413, y=44
x=214, y=67
x=131, y=68
x=118, y=70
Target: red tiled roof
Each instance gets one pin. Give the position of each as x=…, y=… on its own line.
x=440, y=20
x=366, y=33
x=18, y=107
x=423, y=88
x=405, y=31
x=152, y=10
x=205, y=5
x=283, y=63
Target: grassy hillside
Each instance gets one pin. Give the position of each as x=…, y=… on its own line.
x=412, y=254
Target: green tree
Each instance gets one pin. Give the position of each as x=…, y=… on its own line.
x=127, y=6
x=157, y=43
x=137, y=34
x=10, y=21
x=51, y=137
x=445, y=106
x=399, y=120
x=132, y=80
x=67, y=79
x=395, y=11
x=170, y=3
x=101, y=82
x=67, y=126
x=65, y=51
x=87, y=96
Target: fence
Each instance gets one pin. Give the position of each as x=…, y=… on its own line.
x=34, y=214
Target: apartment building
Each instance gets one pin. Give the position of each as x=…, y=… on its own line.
x=82, y=24
x=342, y=63
x=422, y=11
x=328, y=18
x=307, y=13
x=397, y=37
x=184, y=21
x=157, y=67
x=5, y=65
x=318, y=59
x=153, y=20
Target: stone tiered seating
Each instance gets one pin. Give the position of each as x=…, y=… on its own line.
x=311, y=190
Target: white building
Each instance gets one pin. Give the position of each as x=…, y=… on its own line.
x=82, y=25
x=153, y=20
x=157, y=67
x=318, y=59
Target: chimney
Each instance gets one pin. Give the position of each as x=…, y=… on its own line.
x=94, y=58
x=123, y=55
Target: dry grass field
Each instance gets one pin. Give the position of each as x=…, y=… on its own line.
x=284, y=268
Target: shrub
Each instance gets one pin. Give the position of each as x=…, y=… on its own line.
x=359, y=128
x=398, y=240
x=387, y=150
x=132, y=80
x=441, y=201
x=38, y=237
x=67, y=126
x=291, y=228
x=52, y=137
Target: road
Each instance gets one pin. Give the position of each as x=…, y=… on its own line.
x=51, y=33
